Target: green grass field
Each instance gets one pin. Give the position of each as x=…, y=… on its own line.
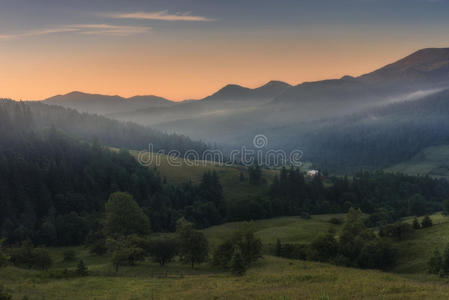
x=432, y=161
x=180, y=171
x=415, y=252
x=270, y=278
x=287, y=229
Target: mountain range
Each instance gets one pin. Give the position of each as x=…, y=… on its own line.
x=235, y=113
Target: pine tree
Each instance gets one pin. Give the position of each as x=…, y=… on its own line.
x=426, y=222
x=238, y=267
x=81, y=270
x=435, y=263
x=416, y=224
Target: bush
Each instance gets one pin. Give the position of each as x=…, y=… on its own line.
x=377, y=254
x=426, y=222
x=25, y=255
x=416, y=224
x=336, y=221
x=324, y=248
x=69, y=255
x=98, y=247
x=42, y=259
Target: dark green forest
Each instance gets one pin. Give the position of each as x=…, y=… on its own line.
x=376, y=138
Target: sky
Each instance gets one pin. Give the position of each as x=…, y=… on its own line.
x=186, y=49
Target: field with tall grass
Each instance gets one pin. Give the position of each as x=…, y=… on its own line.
x=270, y=278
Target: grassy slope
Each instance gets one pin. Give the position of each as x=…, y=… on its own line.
x=270, y=278
x=432, y=161
x=416, y=251
x=287, y=229
x=233, y=188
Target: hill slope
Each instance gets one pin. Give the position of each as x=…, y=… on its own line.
x=432, y=161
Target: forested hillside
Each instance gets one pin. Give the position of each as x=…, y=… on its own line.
x=105, y=131
x=373, y=139
x=53, y=188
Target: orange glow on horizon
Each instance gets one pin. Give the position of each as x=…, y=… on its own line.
x=197, y=73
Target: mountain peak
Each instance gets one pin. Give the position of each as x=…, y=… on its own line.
x=426, y=64
x=276, y=83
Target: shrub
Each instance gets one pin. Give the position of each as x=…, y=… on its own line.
x=336, y=221
x=426, y=222
x=377, y=254
x=416, y=224
x=25, y=255
x=324, y=248
x=98, y=247
x=69, y=255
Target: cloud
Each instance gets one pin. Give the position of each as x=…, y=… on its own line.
x=161, y=15
x=87, y=29
x=105, y=29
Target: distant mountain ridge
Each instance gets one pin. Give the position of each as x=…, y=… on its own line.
x=103, y=104
x=234, y=113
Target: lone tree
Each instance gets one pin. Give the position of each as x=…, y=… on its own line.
x=81, y=270
x=238, y=266
x=435, y=263
x=416, y=224
x=163, y=250
x=123, y=216
x=426, y=222
x=194, y=248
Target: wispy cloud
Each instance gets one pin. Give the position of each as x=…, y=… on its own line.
x=161, y=15
x=87, y=29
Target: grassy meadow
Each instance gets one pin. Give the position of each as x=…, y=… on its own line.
x=181, y=171
x=415, y=252
x=432, y=161
x=287, y=229
x=270, y=278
